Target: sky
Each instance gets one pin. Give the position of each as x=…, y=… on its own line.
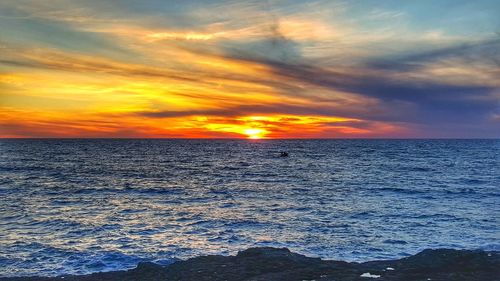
x=249, y=69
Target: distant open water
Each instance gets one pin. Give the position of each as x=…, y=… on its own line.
x=80, y=206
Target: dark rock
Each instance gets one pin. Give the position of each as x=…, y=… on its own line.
x=259, y=264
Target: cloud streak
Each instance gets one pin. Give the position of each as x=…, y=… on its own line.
x=340, y=69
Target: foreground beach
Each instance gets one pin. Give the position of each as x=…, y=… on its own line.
x=281, y=264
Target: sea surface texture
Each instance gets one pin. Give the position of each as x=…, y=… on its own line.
x=80, y=206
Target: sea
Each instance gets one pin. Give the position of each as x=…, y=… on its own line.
x=76, y=206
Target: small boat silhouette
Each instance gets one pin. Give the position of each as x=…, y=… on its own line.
x=284, y=154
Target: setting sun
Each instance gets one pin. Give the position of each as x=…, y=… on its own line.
x=253, y=133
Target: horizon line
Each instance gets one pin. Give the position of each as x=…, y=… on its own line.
x=248, y=139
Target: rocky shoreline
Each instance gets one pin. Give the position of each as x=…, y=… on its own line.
x=269, y=264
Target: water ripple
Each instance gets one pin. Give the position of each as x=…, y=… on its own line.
x=79, y=206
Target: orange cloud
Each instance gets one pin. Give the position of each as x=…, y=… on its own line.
x=60, y=94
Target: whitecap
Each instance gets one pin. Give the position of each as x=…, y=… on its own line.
x=369, y=275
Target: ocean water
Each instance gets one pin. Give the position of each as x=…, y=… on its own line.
x=80, y=206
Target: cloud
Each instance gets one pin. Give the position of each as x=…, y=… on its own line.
x=164, y=65
x=484, y=50
x=443, y=101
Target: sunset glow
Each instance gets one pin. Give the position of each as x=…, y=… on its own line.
x=255, y=133
x=322, y=69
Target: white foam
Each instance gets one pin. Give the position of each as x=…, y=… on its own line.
x=369, y=275
x=389, y=268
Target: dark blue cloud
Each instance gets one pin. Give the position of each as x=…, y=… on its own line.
x=487, y=51
x=430, y=104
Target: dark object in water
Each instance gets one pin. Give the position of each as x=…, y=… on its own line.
x=272, y=264
x=284, y=154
